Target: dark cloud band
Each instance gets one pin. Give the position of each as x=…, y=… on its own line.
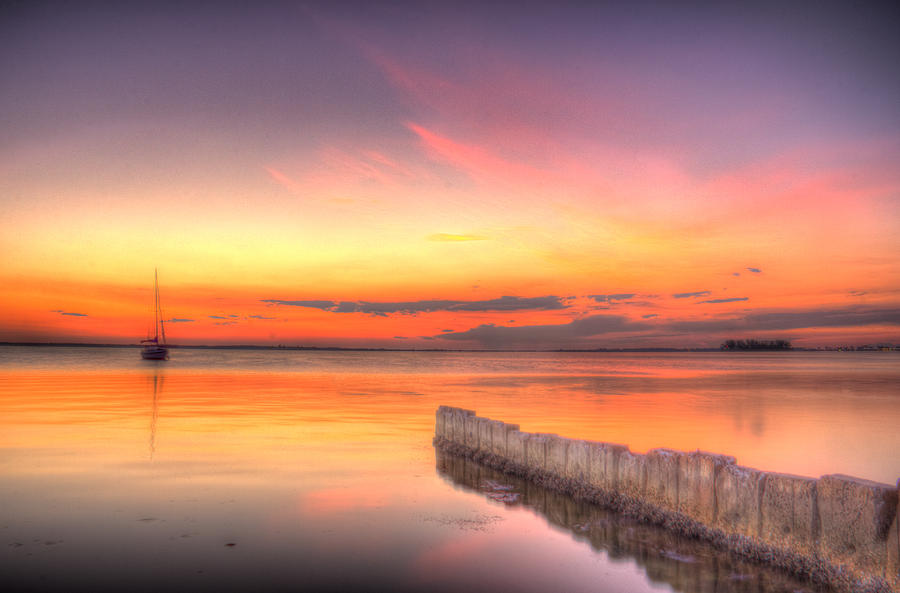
x=497, y=336
x=505, y=303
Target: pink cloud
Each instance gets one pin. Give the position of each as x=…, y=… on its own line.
x=593, y=141
x=283, y=180
x=336, y=173
x=824, y=184
x=476, y=161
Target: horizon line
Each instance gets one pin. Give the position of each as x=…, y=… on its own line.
x=893, y=347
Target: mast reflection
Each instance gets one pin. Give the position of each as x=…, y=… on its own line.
x=158, y=379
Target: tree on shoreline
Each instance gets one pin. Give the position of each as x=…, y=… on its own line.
x=756, y=345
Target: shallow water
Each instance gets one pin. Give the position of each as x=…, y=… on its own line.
x=121, y=473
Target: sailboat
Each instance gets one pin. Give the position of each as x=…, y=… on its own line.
x=155, y=348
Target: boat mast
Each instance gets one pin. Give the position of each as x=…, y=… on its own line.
x=160, y=326
x=155, y=308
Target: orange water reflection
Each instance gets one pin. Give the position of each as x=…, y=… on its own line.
x=333, y=464
x=257, y=418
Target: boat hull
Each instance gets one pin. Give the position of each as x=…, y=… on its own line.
x=155, y=353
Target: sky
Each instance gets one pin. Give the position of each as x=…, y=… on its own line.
x=450, y=175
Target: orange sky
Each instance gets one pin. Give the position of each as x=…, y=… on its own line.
x=309, y=177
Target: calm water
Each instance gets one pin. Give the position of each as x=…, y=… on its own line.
x=117, y=473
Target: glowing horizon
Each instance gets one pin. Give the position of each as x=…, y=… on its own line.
x=387, y=177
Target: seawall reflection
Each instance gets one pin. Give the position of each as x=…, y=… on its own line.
x=686, y=565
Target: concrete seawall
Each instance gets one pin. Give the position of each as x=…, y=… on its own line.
x=837, y=530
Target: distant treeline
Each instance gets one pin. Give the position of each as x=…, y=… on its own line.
x=756, y=345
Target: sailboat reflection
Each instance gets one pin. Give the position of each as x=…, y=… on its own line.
x=157, y=392
x=685, y=565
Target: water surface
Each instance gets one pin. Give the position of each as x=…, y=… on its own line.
x=229, y=470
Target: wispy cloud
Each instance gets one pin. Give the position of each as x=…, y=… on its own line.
x=449, y=237
x=260, y=317
x=728, y=300
x=685, y=295
x=505, y=303
x=217, y=317
x=336, y=172
x=610, y=298
x=61, y=312
x=283, y=180
x=359, y=166
x=754, y=270
x=476, y=161
x=177, y=320
x=650, y=315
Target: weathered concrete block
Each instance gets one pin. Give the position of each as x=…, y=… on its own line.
x=452, y=420
x=499, y=431
x=738, y=492
x=789, y=514
x=578, y=461
x=697, y=473
x=448, y=422
x=458, y=424
x=485, y=435
x=442, y=422
x=604, y=464
x=471, y=431
x=536, y=451
x=662, y=477
x=509, y=429
x=557, y=451
x=515, y=446
x=892, y=574
x=631, y=476
x=439, y=422
x=855, y=517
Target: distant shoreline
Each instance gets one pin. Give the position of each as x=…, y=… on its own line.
x=360, y=349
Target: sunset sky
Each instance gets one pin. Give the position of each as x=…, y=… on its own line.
x=450, y=175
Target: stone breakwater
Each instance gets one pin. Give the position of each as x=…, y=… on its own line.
x=837, y=531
